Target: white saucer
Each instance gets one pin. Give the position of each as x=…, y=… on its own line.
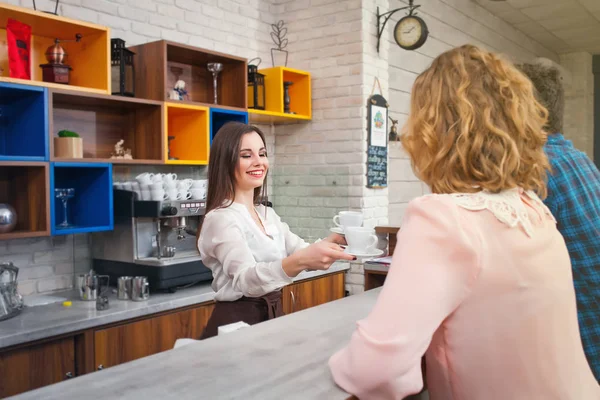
x=371, y=253
x=337, y=230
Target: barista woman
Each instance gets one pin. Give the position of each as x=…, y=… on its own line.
x=251, y=252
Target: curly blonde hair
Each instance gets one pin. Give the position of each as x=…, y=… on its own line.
x=475, y=124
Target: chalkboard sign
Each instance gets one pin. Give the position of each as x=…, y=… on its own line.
x=377, y=167
x=377, y=148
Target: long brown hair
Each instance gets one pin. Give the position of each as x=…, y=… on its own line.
x=223, y=160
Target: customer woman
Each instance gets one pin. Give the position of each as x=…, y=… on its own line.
x=480, y=280
x=251, y=252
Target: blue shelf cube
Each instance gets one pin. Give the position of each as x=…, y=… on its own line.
x=220, y=116
x=23, y=123
x=91, y=208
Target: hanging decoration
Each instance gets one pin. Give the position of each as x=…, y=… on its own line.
x=49, y=12
x=410, y=32
x=377, y=146
x=278, y=35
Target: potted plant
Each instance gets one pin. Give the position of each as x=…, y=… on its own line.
x=68, y=144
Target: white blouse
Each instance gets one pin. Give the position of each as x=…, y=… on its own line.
x=243, y=260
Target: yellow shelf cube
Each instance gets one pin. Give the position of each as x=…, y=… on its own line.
x=89, y=59
x=189, y=124
x=299, y=91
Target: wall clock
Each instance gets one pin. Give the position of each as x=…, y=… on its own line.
x=411, y=32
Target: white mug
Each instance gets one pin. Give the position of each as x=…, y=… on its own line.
x=173, y=194
x=360, y=240
x=158, y=195
x=127, y=186
x=155, y=186
x=200, y=184
x=198, y=194
x=169, y=177
x=346, y=219
x=118, y=185
x=145, y=195
x=157, y=178
x=184, y=185
x=184, y=195
x=145, y=178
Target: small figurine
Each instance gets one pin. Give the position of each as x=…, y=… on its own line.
x=120, y=152
x=394, y=130
x=178, y=92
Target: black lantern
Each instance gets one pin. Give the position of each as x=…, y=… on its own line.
x=122, y=69
x=256, y=87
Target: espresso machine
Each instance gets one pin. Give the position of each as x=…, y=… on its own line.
x=156, y=239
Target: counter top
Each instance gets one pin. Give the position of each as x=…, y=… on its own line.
x=284, y=358
x=41, y=322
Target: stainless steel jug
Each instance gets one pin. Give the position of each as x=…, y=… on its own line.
x=89, y=286
x=11, y=302
x=140, y=289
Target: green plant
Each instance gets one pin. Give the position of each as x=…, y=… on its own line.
x=65, y=133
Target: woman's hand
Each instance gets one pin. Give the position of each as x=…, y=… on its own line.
x=336, y=238
x=317, y=256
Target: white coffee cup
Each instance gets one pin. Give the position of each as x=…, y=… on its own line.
x=184, y=185
x=145, y=178
x=158, y=195
x=200, y=184
x=157, y=178
x=173, y=194
x=127, y=186
x=184, y=195
x=145, y=195
x=118, y=185
x=346, y=219
x=360, y=240
x=198, y=194
x=169, y=177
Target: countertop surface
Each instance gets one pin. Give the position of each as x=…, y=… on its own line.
x=45, y=321
x=284, y=358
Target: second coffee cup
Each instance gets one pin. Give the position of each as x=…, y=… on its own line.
x=346, y=219
x=360, y=240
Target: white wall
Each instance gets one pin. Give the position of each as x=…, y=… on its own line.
x=579, y=101
x=451, y=23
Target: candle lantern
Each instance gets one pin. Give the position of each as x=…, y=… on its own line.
x=256, y=87
x=122, y=69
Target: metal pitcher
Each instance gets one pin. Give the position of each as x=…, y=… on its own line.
x=140, y=288
x=89, y=286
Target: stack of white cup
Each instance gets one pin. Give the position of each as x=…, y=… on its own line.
x=361, y=240
x=160, y=187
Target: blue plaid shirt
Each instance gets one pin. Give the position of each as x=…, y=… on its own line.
x=574, y=199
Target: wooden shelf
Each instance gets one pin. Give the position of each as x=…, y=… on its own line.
x=24, y=185
x=299, y=91
x=220, y=116
x=190, y=126
x=160, y=64
x=23, y=123
x=103, y=120
x=91, y=209
x=90, y=58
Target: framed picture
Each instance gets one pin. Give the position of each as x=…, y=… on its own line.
x=377, y=127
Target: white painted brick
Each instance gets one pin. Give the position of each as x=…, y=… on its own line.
x=146, y=30
x=143, y=4
x=162, y=21
x=36, y=272
x=174, y=36
x=19, y=260
x=28, y=245
x=60, y=254
x=26, y=288
x=64, y=268
x=133, y=14
x=56, y=283
x=174, y=12
x=114, y=22
x=190, y=5
x=76, y=12
x=101, y=5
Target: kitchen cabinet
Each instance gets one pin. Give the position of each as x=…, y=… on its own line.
x=128, y=342
x=35, y=366
x=313, y=292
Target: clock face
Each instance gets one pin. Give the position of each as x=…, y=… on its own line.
x=410, y=32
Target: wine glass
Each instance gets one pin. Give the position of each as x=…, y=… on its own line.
x=64, y=195
x=215, y=68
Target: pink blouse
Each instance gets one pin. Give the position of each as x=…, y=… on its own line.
x=482, y=284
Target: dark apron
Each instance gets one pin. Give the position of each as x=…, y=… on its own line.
x=250, y=310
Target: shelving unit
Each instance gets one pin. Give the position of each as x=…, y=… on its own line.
x=299, y=91
x=103, y=120
x=91, y=209
x=24, y=185
x=160, y=64
x=90, y=58
x=23, y=123
x=190, y=126
x=220, y=116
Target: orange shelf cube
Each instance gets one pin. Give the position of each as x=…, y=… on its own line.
x=189, y=124
x=299, y=91
x=90, y=58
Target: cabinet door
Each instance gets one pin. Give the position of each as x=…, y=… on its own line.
x=302, y=295
x=35, y=366
x=113, y=346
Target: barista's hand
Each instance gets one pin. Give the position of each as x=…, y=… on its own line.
x=320, y=255
x=335, y=238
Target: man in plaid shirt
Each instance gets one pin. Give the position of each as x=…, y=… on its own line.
x=574, y=199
